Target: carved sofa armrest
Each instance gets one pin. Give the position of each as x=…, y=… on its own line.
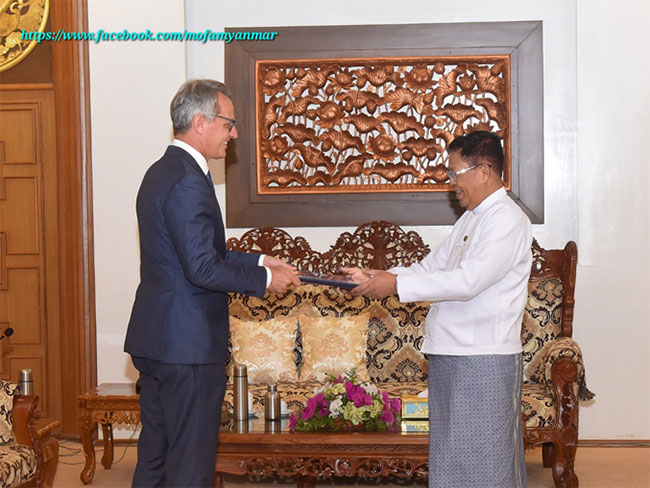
x=561, y=363
x=49, y=452
x=24, y=409
x=45, y=446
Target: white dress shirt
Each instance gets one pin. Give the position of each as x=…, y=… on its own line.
x=203, y=164
x=477, y=280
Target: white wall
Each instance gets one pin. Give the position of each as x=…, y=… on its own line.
x=589, y=197
x=613, y=282
x=131, y=86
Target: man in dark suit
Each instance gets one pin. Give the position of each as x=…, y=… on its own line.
x=178, y=332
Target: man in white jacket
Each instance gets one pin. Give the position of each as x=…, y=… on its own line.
x=477, y=283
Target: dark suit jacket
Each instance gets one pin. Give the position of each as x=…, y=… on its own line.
x=180, y=314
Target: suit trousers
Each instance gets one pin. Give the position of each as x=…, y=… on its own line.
x=180, y=412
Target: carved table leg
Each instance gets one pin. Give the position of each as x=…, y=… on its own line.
x=88, y=428
x=218, y=481
x=107, y=458
x=305, y=482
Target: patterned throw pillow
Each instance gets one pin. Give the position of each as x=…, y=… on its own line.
x=266, y=348
x=7, y=392
x=333, y=345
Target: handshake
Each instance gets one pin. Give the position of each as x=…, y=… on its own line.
x=370, y=283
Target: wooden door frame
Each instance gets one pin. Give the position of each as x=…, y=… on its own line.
x=76, y=264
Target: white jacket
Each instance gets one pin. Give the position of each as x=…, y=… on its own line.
x=477, y=280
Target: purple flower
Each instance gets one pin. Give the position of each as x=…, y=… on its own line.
x=323, y=411
x=395, y=404
x=309, y=410
x=313, y=404
x=364, y=399
x=387, y=417
x=293, y=421
x=339, y=380
x=357, y=395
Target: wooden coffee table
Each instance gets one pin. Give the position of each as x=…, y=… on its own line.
x=262, y=450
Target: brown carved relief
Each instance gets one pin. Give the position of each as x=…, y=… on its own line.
x=373, y=125
x=564, y=375
x=376, y=245
x=116, y=417
x=325, y=467
x=277, y=242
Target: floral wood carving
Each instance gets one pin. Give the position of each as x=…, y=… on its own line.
x=368, y=125
x=325, y=467
x=376, y=245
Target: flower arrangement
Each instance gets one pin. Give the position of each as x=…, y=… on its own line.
x=344, y=403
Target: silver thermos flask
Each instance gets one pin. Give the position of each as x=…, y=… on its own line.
x=240, y=392
x=26, y=382
x=272, y=403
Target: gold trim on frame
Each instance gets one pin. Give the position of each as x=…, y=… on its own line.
x=17, y=16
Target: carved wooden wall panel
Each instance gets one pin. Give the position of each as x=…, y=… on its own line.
x=27, y=156
x=359, y=125
x=340, y=125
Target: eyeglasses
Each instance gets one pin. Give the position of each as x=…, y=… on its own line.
x=231, y=126
x=452, y=175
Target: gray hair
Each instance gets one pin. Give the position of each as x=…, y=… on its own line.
x=196, y=97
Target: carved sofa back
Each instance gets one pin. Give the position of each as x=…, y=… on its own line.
x=395, y=330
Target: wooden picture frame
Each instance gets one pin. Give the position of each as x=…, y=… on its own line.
x=521, y=41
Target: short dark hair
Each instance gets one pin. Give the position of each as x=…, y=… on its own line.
x=480, y=147
x=196, y=97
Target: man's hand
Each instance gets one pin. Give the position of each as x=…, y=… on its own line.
x=282, y=277
x=357, y=275
x=271, y=261
x=380, y=284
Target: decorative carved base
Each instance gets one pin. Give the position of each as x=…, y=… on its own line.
x=308, y=456
x=325, y=467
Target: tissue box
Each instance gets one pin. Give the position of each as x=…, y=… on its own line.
x=415, y=408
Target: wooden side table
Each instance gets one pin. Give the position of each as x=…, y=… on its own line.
x=106, y=404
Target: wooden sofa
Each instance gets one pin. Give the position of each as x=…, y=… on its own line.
x=553, y=371
x=28, y=456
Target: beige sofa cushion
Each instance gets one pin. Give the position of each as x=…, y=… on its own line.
x=7, y=392
x=333, y=345
x=17, y=464
x=266, y=348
